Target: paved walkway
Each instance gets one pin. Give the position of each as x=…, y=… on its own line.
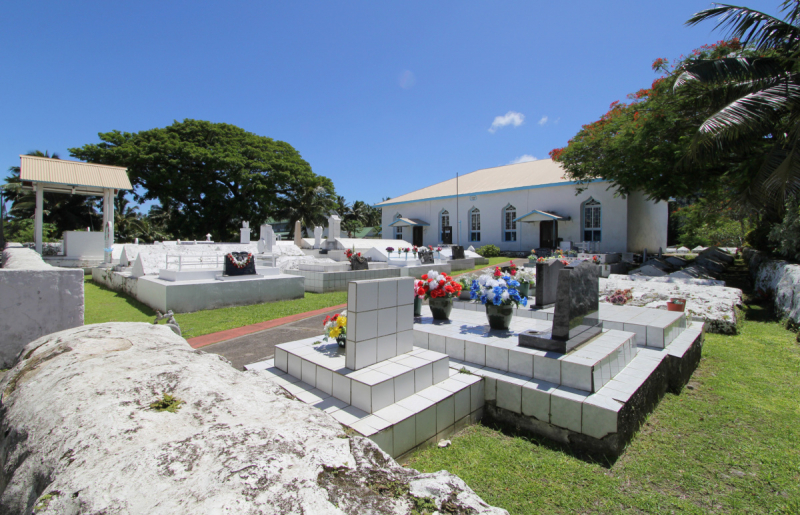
x=256, y=342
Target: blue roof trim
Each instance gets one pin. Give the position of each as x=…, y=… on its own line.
x=570, y=183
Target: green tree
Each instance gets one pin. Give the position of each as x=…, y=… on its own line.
x=752, y=100
x=209, y=176
x=310, y=203
x=128, y=222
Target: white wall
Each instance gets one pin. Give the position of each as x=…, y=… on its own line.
x=647, y=224
x=83, y=244
x=559, y=199
x=35, y=299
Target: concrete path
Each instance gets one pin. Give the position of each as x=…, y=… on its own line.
x=260, y=345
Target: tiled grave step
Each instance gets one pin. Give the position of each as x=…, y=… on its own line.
x=653, y=327
x=593, y=414
x=431, y=414
x=372, y=388
x=467, y=337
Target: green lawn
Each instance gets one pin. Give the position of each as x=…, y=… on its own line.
x=493, y=261
x=727, y=444
x=104, y=305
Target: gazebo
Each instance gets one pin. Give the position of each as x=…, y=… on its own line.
x=42, y=174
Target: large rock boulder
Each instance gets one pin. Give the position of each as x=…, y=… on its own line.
x=80, y=436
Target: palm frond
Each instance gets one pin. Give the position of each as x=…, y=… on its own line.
x=739, y=69
x=751, y=27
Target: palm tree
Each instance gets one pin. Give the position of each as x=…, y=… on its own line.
x=753, y=97
x=128, y=222
x=310, y=203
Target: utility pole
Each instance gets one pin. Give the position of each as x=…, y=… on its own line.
x=458, y=228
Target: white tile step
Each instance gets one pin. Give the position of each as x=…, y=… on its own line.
x=433, y=412
x=371, y=388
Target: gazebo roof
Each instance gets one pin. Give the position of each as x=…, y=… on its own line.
x=59, y=175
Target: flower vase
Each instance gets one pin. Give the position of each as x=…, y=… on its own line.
x=499, y=316
x=524, y=289
x=406, y=256
x=341, y=340
x=676, y=304
x=417, y=307
x=441, y=308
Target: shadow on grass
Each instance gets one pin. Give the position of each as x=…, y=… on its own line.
x=130, y=301
x=541, y=441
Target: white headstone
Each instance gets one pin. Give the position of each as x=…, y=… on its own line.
x=334, y=227
x=138, y=267
x=471, y=248
x=267, y=235
x=244, y=233
x=380, y=320
x=123, y=258
x=136, y=241
x=317, y=237
x=208, y=237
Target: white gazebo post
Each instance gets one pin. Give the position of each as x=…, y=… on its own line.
x=39, y=217
x=108, y=224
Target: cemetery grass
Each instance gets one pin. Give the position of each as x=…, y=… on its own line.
x=105, y=305
x=727, y=443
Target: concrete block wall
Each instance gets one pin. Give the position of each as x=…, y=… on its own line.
x=35, y=299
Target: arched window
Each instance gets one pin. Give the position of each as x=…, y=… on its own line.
x=474, y=224
x=398, y=231
x=444, y=221
x=592, y=220
x=509, y=225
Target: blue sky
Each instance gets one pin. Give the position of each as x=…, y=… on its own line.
x=382, y=97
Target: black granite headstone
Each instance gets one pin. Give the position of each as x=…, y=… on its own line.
x=358, y=263
x=426, y=256
x=239, y=263
x=546, y=282
x=575, y=318
x=458, y=251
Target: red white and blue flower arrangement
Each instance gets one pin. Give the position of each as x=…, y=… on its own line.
x=498, y=289
x=240, y=263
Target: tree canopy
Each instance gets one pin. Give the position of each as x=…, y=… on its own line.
x=208, y=177
x=721, y=122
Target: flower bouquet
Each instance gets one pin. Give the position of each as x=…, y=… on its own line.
x=414, y=250
x=499, y=293
x=596, y=259
x=350, y=253
x=389, y=250
x=440, y=290
x=527, y=280
x=620, y=297
x=336, y=327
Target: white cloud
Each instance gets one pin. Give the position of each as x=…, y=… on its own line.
x=510, y=118
x=543, y=120
x=524, y=158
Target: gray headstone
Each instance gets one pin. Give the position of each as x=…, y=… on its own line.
x=546, y=281
x=334, y=227
x=575, y=317
x=577, y=298
x=425, y=256
x=458, y=252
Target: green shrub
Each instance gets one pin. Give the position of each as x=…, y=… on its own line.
x=785, y=236
x=488, y=251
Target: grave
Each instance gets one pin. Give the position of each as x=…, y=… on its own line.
x=426, y=256
x=380, y=385
x=574, y=319
x=358, y=263
x=317, y=237
x=593, y=398
x=239, y=263
x=457, y=252
x=546, y=282
x=244, y=233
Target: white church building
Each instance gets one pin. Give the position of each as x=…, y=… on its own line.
x=525, y=206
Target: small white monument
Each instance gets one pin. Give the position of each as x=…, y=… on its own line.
x=334, y=227
x=298, y=237
x=208, y=237
x=267, y=235
x=244, y=233
x=317, y=237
